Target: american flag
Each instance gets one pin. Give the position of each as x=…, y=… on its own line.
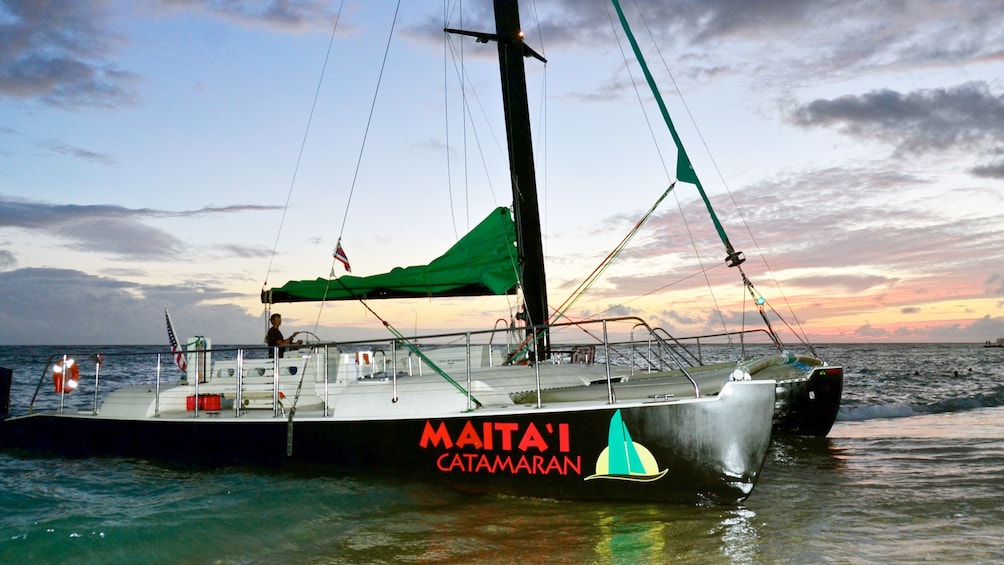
x=341, y=257
x=179, y=358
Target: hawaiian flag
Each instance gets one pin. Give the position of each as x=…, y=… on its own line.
x=179, y=358
x=341, y=257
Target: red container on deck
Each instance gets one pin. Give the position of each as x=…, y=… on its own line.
x=210, y=402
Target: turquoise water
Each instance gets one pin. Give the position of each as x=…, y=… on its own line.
x=912, y=471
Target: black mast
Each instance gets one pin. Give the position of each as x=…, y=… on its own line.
x=521, y=168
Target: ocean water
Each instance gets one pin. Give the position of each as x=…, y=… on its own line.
x=913, y=471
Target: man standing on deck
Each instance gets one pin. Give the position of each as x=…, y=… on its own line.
x=274, y=337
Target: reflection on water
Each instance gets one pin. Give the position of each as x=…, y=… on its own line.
x=984, y=423
x=740, y=539
x=682, y=535
x=512, y=530
x=449, y=528
x=622, y=542
x=881, y=490
x=819, y=453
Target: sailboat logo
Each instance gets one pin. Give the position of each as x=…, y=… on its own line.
x=625, y=460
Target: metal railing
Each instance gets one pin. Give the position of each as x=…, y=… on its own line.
x=643, y=349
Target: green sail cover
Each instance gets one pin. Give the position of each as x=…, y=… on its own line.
x=482, y=263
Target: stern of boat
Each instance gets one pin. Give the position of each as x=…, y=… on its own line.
x=809, y=406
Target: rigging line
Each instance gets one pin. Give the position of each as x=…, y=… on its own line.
x=359, y=159
x=742, y=327
x=686, y=224
x=303, y=143
x=327, y=287
x=469, y=115
x=466, y=117
x=512, y=253
x=446, y=112
x=292, y=409
x=542, y=128
x=641, y=102
x=464, y=125
x=721, y=177
x=540, y=35
x=542, y=147
x=463, y=78
x=800, y=334
x=414, y=348
x=701, y=272
x=608, y=260
x=704, y=270
x=369, y=120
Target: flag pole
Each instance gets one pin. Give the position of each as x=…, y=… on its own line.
x=179, y=358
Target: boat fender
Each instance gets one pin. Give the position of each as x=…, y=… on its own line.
x=65, y=376
x=740, y=375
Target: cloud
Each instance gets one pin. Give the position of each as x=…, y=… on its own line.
x=850, y=283
x=612, y=310
x=109, y=229
x=39, y=303
x=995, y=171
x=232, y=209
x=964, y=117
x=678, y=318
x=280, y=15
x=77, y=152
x=93, y=228
x=845, y=222
x=63, y=53
x=825, y=232
x=995, y=284
x=976, y=331
x=7, y=260
x=245, y=251
x=794, y=42
x=59, y=53
x=791, y=226
x=56, y=146
x=867, y=331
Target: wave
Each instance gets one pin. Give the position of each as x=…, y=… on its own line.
x=866, y=412
x=855, y=413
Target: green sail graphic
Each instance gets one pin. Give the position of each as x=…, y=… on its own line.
x=623, y=459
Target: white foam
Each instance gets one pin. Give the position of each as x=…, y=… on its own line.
x=858, y=413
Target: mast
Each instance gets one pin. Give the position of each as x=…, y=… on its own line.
x=521, y=166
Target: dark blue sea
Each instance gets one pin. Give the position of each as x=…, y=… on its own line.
x=913, y=471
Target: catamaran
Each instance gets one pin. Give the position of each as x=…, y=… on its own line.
x=597, y=419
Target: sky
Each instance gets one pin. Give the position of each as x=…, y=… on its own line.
x=189, y=153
